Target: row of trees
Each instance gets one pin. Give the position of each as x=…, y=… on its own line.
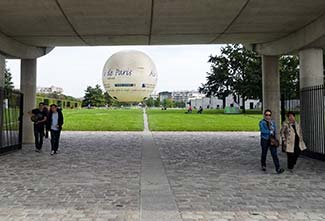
x=165, y=103
x=237, y=71
x=96, y=97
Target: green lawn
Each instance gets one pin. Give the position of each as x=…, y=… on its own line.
x=103, y=119
x=210, y=120
x=159, y=120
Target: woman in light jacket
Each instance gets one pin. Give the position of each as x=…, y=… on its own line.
x=291, y=135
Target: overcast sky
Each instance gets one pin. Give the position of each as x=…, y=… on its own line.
x=74, y=68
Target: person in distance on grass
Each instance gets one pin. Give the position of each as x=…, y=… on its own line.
x=55, y=123
x=293, y=143
x=267, y=129
x=189, y=110
x=38, y=116
x=200, y=110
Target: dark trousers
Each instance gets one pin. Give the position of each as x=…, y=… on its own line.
x=46, y=132
x=38, y=134
x=293, y=157
x=55, y=137
x=265, y=144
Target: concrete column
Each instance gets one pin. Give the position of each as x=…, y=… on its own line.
x=28, y=88
x=2, y=84
x=312, y=101
x=2, y=70
x=271, y=87
x=311, y=67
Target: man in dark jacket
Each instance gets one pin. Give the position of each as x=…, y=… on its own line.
x=55, y=122
x=38, y=116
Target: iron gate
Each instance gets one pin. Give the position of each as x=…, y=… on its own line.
x=10, y=120
x=312, y=120
x=311, y=114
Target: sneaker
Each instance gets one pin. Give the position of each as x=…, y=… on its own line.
x=279, y=171
x=264, y=168
x=37, y=150
x=52, y=152
x=290, y=170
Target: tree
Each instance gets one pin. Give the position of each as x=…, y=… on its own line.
x=149, y=102
x=108, y=99
x=236, y=71
x=246, y=73
x=157, y=102
x=94, y=96
x=9, y=85
x=168, y=103
x=180, y=104
x=219, y=82
x=289, y=76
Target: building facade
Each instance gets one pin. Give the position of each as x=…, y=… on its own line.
x=49, y=90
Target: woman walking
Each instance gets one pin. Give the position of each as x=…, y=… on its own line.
x=268, y=130
x=292, y=140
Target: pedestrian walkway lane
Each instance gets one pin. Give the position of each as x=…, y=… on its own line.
x=157, y=199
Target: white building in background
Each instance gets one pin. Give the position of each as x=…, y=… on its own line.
x=196, y=99
x=216, y=103
x=184, y=96
x=164, y=95
x=48, y=90
x=154, y=95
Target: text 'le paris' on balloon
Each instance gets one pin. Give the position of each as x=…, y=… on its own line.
x=129, y=76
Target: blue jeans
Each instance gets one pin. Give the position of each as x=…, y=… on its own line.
x=265, y=144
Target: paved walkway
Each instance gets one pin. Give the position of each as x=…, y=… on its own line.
x=211, y=176
x=157, y=200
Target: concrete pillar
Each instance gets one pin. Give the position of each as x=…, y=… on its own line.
x=312, y=101
x=28, y=88
x=311, y=67
x=2, y=83
x=2, y=70
x=271, y=87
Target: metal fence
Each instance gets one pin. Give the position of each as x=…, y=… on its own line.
x=312, y=119
x=10, y=120
x=310, y=111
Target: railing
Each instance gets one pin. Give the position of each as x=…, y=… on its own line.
x=312, y=120
x=310, y=111
x=10, y=120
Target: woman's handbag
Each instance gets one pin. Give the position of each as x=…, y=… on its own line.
x=274, y=142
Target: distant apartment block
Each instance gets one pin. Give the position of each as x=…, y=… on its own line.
x=164, y=95
x=216, y=103
x=184, y=96
x=48, y=90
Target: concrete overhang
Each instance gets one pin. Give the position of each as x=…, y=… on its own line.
x=30, y=28
x=11, y=48
x=310, y=36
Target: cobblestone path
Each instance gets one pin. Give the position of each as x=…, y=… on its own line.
x=212, y=176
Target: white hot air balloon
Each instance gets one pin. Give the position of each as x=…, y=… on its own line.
x=129, y=76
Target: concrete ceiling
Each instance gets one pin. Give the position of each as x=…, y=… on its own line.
x=49, y=23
